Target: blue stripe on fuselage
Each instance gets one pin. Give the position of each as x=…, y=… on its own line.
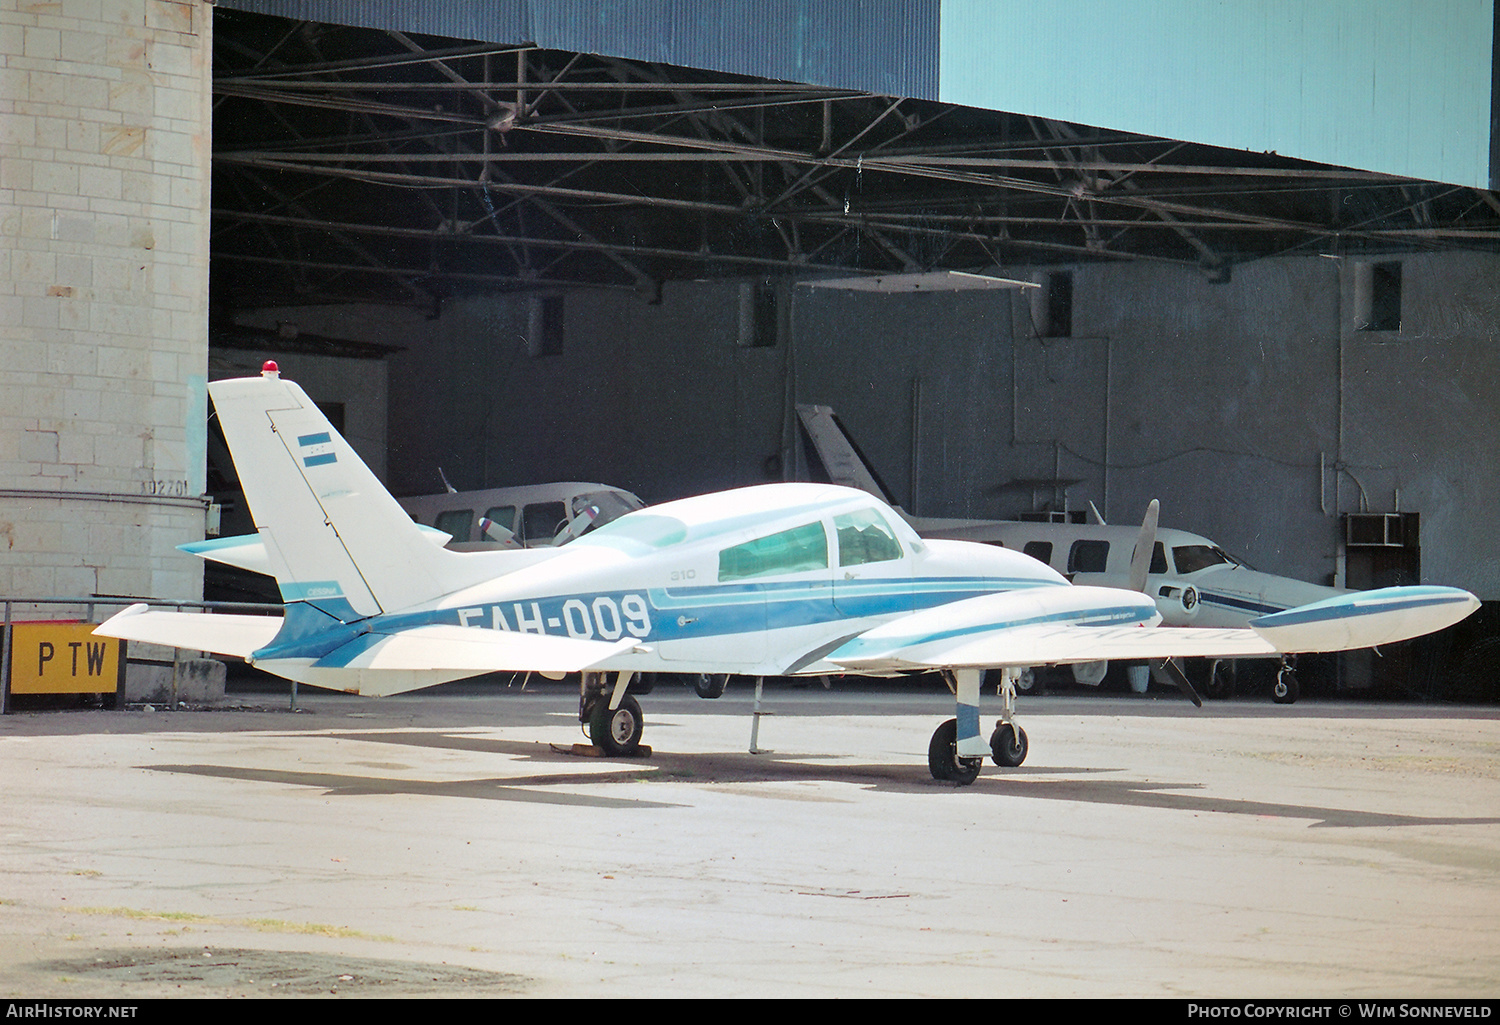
x=664, y=615
x=1238, y=604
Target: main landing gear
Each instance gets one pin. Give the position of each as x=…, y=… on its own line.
x=943, y=760
x=612, y=716
x=957, y=751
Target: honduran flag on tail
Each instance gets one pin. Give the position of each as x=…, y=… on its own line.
x=317, y=449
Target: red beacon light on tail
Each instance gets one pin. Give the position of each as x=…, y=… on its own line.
x=270, y=369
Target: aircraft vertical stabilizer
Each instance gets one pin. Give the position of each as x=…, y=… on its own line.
x=845, y=465
x=335, y=539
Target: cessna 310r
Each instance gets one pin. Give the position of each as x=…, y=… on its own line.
x=777, y=579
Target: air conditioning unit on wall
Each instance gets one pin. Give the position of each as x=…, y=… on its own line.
x=1382, y=530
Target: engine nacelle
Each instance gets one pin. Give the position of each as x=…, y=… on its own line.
x=1177, y=602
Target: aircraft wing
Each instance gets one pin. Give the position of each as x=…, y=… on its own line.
x=1056, y=645
x=1038, y=629
x=447, y=648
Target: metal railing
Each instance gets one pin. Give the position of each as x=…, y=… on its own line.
x=89, y=605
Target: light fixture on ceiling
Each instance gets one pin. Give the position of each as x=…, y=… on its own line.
x=929, y=281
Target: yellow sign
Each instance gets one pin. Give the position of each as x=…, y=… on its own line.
x=63, y=658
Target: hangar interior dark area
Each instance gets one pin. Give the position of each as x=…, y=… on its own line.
x=422, y=203
x=359, y=164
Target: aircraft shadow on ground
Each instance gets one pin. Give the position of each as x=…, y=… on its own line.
x=774, y=767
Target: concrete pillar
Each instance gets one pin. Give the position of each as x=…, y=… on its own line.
x=104, y=217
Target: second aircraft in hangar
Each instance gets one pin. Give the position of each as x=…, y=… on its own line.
x=1193, y=580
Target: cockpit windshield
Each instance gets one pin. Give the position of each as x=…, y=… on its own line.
x=637, y=535
x=1192, y=558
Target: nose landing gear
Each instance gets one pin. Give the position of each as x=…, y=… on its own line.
x=1287, y=689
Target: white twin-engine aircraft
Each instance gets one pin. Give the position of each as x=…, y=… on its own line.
x=778, y=579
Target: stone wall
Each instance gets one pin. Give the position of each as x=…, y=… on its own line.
x=104, y=211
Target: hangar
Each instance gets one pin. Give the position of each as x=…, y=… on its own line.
x=1244, y=262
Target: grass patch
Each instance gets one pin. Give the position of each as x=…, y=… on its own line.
x=259, y=924
x=309, y=929
x=161, y=916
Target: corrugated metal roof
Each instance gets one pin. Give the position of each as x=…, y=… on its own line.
x=492, y=21
x=881, y=46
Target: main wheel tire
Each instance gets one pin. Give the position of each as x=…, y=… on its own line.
x=617, y=732
x=1029, y=683
x=1220, y=681
x=1286, y=689
x=710, y=685
x=1008, y=745
x=942, y=757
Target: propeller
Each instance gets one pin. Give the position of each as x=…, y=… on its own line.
x=1164, y=670
x=1145, y=543
x=495, y=532
x=580, y=523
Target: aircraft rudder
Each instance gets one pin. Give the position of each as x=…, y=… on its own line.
x=327, y=523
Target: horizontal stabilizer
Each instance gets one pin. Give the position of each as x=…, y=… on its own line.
x=195, y=631
x=245, y=551
x=248, y=551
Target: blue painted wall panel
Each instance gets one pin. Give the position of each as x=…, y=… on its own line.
x=1400, y=86
x=882, y=46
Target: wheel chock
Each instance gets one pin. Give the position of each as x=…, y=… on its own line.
x=591, y=751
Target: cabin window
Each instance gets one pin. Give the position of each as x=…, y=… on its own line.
x=455, y=522
x=1192, y=558
x=1041, y=551
x=1159, y=559
x=865, y=537
x=502, y=516
x=1088, y=556
x=791, y=551
x=505, y=515
x=542, y=520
